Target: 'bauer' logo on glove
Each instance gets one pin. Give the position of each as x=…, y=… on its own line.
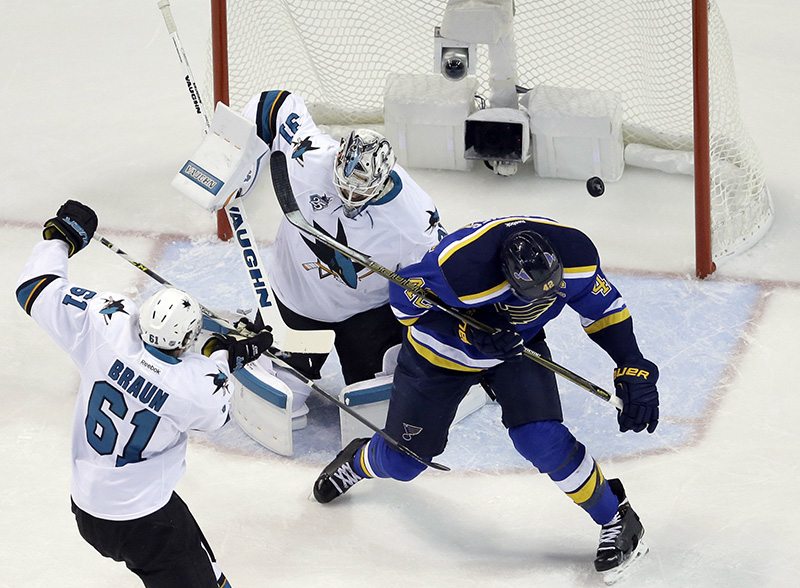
x=635, y=384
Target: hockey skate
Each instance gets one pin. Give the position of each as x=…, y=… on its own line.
x=338, y=476
x=620, y=539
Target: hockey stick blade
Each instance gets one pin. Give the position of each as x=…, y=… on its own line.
x=288, y=204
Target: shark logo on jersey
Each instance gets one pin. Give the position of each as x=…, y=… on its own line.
x=112, y=307
x=330, y=262
x=300, y=148
x=410, y=430
x=433, y=219
x=319, y=201
x=220, y=380
x=434, y=222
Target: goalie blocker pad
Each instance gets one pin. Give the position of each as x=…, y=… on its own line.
x=220, y=166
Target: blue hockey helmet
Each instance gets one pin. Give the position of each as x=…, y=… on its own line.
x=531, y=265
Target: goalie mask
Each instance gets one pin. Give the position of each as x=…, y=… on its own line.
x=362, y=168
x=170, y=319
x=531, y=265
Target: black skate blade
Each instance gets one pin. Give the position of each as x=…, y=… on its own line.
x=616, y=574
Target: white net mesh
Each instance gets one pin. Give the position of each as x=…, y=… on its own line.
x=339, y=55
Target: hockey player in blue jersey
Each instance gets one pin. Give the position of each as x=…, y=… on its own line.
x=515, y=274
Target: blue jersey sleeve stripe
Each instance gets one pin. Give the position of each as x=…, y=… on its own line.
x=438, y=360
x=28, y=292
x=612, y=319
x=267, y=114
x=453, y=247
x=585, y=271
x=486, y=295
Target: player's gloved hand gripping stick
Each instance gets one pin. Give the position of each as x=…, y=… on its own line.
x=286, y=199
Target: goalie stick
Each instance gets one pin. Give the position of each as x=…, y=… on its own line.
x=287, y=339
x=215, y=323
x=286, y=199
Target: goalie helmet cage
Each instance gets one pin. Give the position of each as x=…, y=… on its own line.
x=669, y=60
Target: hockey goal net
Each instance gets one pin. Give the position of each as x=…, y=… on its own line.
x=669, y=60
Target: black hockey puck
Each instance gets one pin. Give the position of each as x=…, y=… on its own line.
x=595, y=186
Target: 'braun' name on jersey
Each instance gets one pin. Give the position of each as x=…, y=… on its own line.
x=135, y=403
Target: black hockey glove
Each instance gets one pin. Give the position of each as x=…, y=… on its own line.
x=504, y=343
x=241, y=350
x=74, y=223
x=635, y=384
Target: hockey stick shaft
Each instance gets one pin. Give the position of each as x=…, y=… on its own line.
x=388, y=438
x=286, y=199
x=172, y=29
x=224, y=325
x=286, y=338
x=221, y=322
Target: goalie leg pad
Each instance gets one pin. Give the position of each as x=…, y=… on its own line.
x=300, y=392
x=262, y=406
x=370, y=399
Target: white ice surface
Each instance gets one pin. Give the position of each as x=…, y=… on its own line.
x=93, y=107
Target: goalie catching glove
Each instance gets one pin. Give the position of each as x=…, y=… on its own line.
x=241, y=350
x=635, y=384
x=74, y=223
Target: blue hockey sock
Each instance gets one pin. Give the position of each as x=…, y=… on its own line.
x=377, y=459
x=552, y=449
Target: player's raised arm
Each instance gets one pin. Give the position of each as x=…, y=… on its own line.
x=43, y=290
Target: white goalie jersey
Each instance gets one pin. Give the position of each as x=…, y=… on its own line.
x=134, y=404
x=395, y=229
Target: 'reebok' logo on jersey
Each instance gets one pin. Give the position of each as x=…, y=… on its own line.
x=111, y=307
x=300, y=147
x=332, y=263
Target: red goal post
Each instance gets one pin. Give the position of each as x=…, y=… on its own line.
x=669, y=60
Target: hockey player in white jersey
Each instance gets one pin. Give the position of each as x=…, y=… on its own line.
x=140, y=391
x=354, y=191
